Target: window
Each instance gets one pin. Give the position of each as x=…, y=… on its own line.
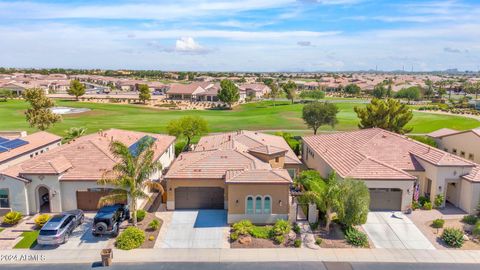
x=277, y=159
x=470, y=156
x=462, y=154
x=445, y=149
x=249, y=205
x=267, y=205
x=454, y=151
x=4, y=203
x=258, y=205
x=292, y=172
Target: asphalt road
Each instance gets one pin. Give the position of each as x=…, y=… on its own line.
x=250, y=265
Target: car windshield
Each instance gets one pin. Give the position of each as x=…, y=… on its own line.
x=48, y=232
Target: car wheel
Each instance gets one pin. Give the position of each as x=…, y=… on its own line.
x=115, y=233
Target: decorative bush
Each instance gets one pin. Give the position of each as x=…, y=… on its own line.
x=154, y=225
x=12, y=218
x=263, y=232
x=439, y=200
x=281, y=227
x=297, y=243
x=279, y=239
x=234, y=236
x=416, y=205
x=470, y=219
x=151, y=238
x=438, y=223
x=476, y=230
x=141, y=215
x=318, y=241
x=356, y=238
x=296, y=228
x=422, y=200
x=314, y=226
x=131, y=238
x=453, y=237
x=427, y=206
x=242, y=227
x=40, y=220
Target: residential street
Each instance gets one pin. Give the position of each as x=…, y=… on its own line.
x=255, y=265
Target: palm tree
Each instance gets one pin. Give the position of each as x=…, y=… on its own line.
x=131, y=174
x=74, y=133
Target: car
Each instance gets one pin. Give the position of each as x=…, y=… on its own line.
x=58, y=229
x=157, y=93
x=108, y=219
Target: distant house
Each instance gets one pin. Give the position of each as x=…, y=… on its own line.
x=65, y=178
x=255, y=90
x=197, y=91
x=247, y=173
x=395, y=168
x=465, y=144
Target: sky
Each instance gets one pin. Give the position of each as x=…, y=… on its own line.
x=246, y=35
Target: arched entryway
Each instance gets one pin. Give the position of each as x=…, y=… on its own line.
x=43, y=199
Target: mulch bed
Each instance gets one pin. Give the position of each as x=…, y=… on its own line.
x=436, y=234
x=143, y=225
x=264, y=243
x=335, y=238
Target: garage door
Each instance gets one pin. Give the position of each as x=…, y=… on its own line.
x=385, y=199
x=199, y=198
x=88, y=199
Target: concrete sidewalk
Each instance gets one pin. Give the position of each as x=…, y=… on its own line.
x=242, y=255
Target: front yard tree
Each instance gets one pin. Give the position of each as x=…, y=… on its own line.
x=316, y=114
x=387, y=114
x=290, y=89
x=187, y=127
x=39, y=113
x=228, y=93
x=76, y=89
x=144, y=93
x=274, y=91
x=355, y=203
x=131, y=174
x=330, y=199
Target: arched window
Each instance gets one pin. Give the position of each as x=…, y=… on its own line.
x=258, y=205
x=249, y=205
x=267, y=205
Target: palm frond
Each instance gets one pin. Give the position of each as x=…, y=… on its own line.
x=112, y=199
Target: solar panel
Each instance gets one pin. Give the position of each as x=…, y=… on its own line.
x=134, y=147
x=2, y=140
x=13, y=143
x=3, y=149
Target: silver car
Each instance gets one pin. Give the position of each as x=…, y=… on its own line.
x=57, y=230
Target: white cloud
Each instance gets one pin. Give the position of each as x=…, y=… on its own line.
x=189, y=45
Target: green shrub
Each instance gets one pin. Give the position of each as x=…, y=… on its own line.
x=314, y=226
x=40, y=220
x=470, y=219
x=281, y=227
x=179, y=146
x=263, y=232
x=318, y=241
x=438, y=223
x=154, y=225
x=12, y=218
x=422, y=200
x=439, y=200
x=356, y=238
x=416, y=205
x=234, y=236
x=242, y=227
x=297, y=243
x=279, y=239
x=427, y=206
x=141, y=215
x=130, y=238
x=296, y=228
x=453, y=237
x=476, y=230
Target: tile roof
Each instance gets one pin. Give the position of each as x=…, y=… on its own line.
x=442, y=132
x=474, y=175
x=86, y=158
x=378, y=154
x=35, y=141
x=259, y=176
x=267, y=150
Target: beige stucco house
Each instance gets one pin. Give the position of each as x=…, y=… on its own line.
x=247, y=173
x=465, y=144
x=65, y=178
x=394, y=167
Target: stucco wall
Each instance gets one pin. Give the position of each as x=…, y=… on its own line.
x=17, y=194
x=271, y=159
x=470, y=196
x=52, y=184
x=467, y=142
x=172, y=184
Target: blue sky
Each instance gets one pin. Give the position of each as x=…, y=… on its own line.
x=247, y=35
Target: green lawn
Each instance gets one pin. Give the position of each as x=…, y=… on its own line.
x=253, y=116
x=29, y=240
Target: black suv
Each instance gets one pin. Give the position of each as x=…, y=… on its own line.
x=108, y=219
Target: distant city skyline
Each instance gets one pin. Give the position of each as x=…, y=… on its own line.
x=248, y=35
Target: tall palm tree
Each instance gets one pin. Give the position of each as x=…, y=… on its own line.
x=131, y=174
x=74, y=133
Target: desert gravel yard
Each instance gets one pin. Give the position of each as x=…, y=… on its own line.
x=387, y=231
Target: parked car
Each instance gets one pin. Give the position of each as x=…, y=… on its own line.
x=108, y=219
x=57, y=230
x=157, y=93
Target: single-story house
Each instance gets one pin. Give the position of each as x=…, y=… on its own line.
x=197, y=91
x=65, y=178
x=256, y=90
x=465, y=143
x=247, y=173
x=395, y=168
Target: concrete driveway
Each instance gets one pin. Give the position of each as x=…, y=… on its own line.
x=197, y=229
x=82, y=238
x=387, y=231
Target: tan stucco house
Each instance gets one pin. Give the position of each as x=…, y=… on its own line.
x=247, y=173
x=465, y=144
x=394, y=167
x=65, y=178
